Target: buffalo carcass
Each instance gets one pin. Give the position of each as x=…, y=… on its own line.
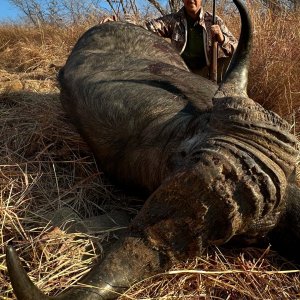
x=218, y=165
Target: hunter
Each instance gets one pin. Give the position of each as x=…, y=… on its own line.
x=191, y=31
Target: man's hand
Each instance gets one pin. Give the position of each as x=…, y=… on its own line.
x=108, y=19
x=217, y=33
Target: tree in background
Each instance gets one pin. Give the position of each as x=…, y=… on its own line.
x=73, y=11
x=56, y=11
x=279, y=5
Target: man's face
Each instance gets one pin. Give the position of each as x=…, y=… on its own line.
x=192, y=6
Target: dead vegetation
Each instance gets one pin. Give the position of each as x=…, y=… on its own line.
x=51, y=188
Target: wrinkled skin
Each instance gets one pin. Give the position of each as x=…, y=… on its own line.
x=217, y=165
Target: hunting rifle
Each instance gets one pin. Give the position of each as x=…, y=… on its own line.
x=213, y=74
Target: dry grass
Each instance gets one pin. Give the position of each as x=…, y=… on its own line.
x=274, y=78
x=228, y=274
x=45, y=168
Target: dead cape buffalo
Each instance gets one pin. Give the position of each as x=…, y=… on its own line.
x=218, y=164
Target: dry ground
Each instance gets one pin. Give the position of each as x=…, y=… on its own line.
x=49, y=182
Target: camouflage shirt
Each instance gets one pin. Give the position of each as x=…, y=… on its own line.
x=174, y=26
